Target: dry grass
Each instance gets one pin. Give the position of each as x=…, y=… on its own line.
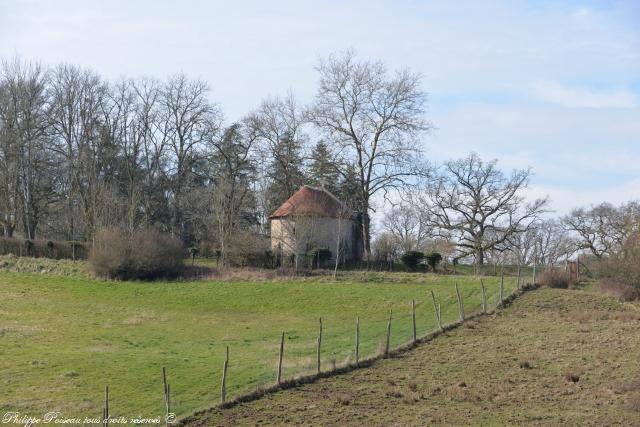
x=556, y=279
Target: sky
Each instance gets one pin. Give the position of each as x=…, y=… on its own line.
x=552, y=85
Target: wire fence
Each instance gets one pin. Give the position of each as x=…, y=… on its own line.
x=240, y=367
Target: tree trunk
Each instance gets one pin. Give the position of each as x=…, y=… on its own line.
x=366, y=236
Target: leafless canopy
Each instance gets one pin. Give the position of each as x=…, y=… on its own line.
x=375, y=118
x=604, y=228
x=474, y=203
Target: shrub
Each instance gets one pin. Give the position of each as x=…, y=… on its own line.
x=433, y=259
x=619, y=288
x=619, y=273
x=144, y=254
x=318, y=256
x=193, y=251
x=254, y=259
x=556, y=279
x=411, y=259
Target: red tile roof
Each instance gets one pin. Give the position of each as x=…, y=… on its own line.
x=312, y=201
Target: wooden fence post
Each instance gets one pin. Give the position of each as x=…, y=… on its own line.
x=319, y=346
x=223, y=390
x=501, y=288
x=578, y=269
x=534, y=273
x=357, y=341
x=436, y=310
x=167, y=402
x=518, y=275
x=279, y=380
x=388, y=343
x=413, y=317
x=460, y=304
x=105, y=410
x=484, y=296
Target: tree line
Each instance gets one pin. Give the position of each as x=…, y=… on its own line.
x=471, y=211
x=79, y=152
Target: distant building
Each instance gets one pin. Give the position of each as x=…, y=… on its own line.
x=314, y=218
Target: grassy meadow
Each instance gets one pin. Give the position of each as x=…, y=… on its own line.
x=63, y=337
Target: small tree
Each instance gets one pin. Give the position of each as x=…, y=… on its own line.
x=433, y=259
x=193, y=250
x=411, y=259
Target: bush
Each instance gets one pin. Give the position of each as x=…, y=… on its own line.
x=253, y=259
x=619, y=288
x=411, y=259
x=556, y=279
x=619, y=273
x=144, y=254
x=318, y=256
x=433, y=259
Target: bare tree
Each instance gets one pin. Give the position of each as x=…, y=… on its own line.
x=409, y=225
x=188, y=120
x=386, y=247
x=522, y=246
x=77, y=97
x=602, y=229
x=375, y=119
x=277, y=127
x=9, y=165
x=231, y=157
x=23, y=117
x=148, y=129
x=553, y=243
x=477, y=205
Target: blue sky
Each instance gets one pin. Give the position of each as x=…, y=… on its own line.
x=549, y=84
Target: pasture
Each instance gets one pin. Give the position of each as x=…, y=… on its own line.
x=63, y=338
x=553, y=357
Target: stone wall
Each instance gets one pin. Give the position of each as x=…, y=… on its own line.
x=297, y=235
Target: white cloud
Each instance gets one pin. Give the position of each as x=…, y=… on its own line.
x=562, y=200
x=576, y=97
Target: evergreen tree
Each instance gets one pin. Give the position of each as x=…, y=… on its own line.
x=285, y=173
x=323, y=169
x=349, y=189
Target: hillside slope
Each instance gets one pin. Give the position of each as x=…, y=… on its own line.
x=553, y=357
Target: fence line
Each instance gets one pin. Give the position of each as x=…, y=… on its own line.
x=388, y=350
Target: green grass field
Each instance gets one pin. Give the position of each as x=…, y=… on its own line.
x=63, y=338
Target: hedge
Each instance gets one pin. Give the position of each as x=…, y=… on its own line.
x=43, y=248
